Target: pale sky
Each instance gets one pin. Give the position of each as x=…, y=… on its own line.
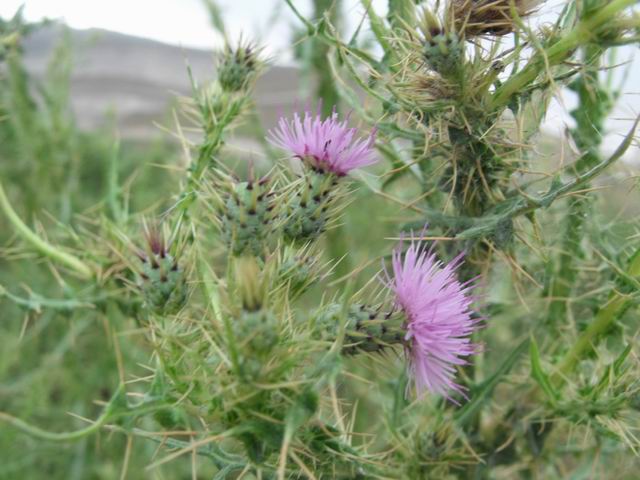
x=186, y=22
x=180, y=22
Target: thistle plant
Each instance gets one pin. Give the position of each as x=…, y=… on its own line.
x=486, y=329
x=328, y=150
x=439, y=319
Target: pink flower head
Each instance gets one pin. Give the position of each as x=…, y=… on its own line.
x=440, y=320
x=328, y=145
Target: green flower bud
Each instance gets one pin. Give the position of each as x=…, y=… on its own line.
x=443, y=48
x=251, y=288
x=247, y=215
x=215, y=102
x=309, y=211
x=444, y=52
x=237, y=68
x=162, y=279
x=259, y=330
x=255, y=327
x=256, y=334
x=297, y=268
x=367, y=329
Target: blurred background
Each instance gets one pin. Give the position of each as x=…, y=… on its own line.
x=129, y=57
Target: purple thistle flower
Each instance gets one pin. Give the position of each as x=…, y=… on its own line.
x=329, y=145
x=439, y=318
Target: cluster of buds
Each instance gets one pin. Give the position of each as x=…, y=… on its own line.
x=161, y=279
x=238, y=67
x=246, y=213
x=443, y=48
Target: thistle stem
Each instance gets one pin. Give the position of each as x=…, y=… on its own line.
x=39, y=244
x=558, y=52
x=590, y=116
x=38, y=432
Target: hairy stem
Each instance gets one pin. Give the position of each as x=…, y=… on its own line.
x=594, y=107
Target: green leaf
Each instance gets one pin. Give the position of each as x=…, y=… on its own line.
x=481, y=393
x=215, y=16
x=378, y=28
x=539, y=375
x=612, y=372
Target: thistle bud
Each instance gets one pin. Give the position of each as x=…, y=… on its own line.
x=310, y=208
x=246, y=214
x=255, y=326
x=367, y=329
x=257, y=330
x=214, y=101
x=443, y=48
x=250, y=284
x=238, y=67
x=297, y=268
x=162, y=280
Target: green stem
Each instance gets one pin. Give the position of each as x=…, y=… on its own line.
x=40, y=245
x=64, y=436
x=584, y=31
x=37, y=302
x=214, y=129
x=113, y=188
x=379, y=29
x=310, y=27
x=515, y=206
x=481, y=393
x=590, y=115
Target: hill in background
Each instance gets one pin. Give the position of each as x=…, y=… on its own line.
x=139, y=79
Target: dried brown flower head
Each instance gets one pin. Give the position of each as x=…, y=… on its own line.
x=474, y=18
